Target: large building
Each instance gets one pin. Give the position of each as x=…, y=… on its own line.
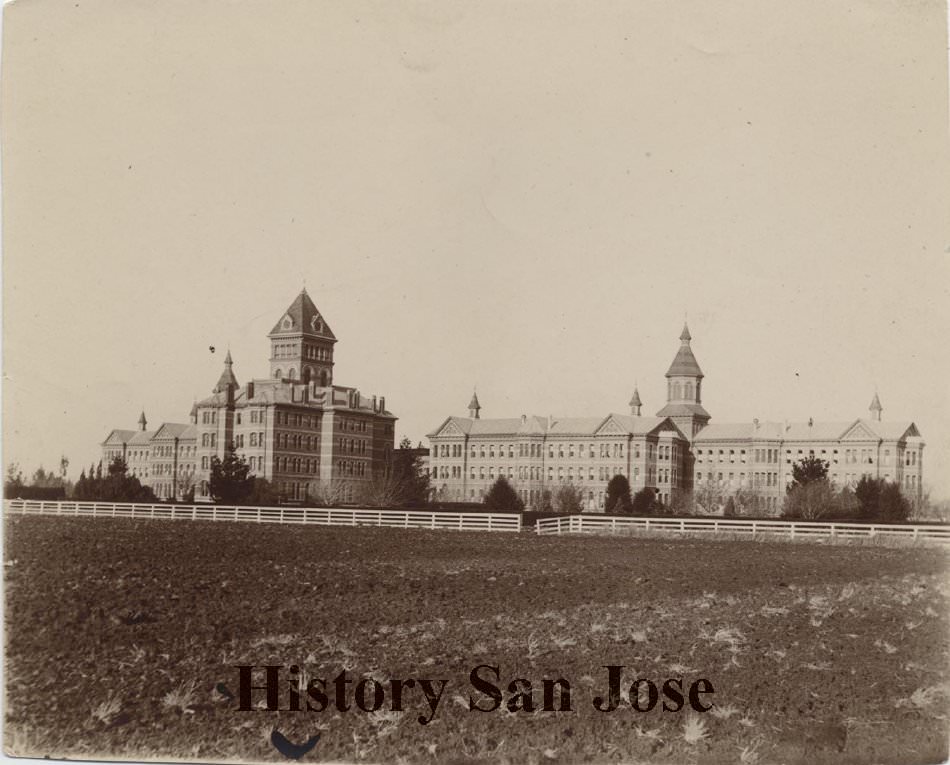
x=296, y=428
x=676, y=452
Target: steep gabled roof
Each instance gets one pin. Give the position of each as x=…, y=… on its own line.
x=119, y=437
x=302, y=317
x=171, y=430
x=141, y=438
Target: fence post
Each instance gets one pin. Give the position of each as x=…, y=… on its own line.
x=682, y=525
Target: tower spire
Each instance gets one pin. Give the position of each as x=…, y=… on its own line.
x=876, y=408
x=635, y=402
x=142, y=421
x=473, y=406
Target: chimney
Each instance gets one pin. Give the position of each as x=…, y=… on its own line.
x=755, y=422
x=524, y=419
x=375, y=403
x=810, y=422
x=382, y=404
x=249, y=389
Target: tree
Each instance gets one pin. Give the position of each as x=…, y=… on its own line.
x=503, y=498
x=229, y=483
x=185, y=486
x=262, y=492
x=328, y=493
x=568, y=499
x=881, y=500
x=410, y=475
x=893, y=506
x=807, y=470
x=384, y=491
x=116, y=486
x=730, y=509
x=644, y=501
x=809, y=501
x=546, y=502
x=708, y=498
x=618, y=498
x=868, y=493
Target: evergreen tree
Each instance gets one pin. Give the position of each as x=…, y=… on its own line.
x=618, y=498
x=410, y=476
x=229, y=484
x=503, y=498
x=808, y=469
x=868, y=492
x=644, y=501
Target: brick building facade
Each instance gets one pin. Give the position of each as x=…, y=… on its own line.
x=677, y=451
x=295, y=428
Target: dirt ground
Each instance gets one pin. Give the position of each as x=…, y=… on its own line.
x=123, y=638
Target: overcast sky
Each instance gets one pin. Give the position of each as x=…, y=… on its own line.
x=527, y=197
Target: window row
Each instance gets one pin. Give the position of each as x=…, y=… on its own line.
x=351, y=468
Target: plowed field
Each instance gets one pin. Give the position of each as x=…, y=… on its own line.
x=123, y=638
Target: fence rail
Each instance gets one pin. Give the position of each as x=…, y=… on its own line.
x=311, y=516
x=601, y=524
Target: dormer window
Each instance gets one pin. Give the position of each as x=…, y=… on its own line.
x=287, y=323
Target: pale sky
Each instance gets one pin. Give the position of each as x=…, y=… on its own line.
x=527, y=197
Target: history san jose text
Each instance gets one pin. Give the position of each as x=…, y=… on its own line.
x=291, y=689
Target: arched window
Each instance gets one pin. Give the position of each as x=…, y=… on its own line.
x=323, y=379
x=307, y=373
x=689, y=391
x=292, y=373
x=277, y=374
x=676, y=391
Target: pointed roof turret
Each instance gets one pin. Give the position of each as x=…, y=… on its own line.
x=302, y=317
x=227, y=378
x=474, y=406
x=685, y=364
x=635, y=402
x=875, y=407
x=142, y=421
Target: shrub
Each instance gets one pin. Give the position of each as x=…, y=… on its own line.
x=568, y=499
x=503, y=498
x=644, y=501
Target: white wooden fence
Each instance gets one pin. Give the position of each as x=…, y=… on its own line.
x=605, y=524
x=321, y=516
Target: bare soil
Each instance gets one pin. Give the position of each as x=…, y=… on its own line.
x=123, y=637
